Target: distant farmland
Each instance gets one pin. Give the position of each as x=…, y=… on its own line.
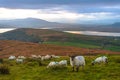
x=62, y=38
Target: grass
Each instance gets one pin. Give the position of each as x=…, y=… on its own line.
x=84, y=45
x=25, y=71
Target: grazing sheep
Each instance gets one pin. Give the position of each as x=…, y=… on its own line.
x=39, y=56
x=34, y=56
x=21, y=57
x=63, y=63
x=53, y=64
x=77, y=61
x=19, y=60
x=11, y=57
x=102, y=59
x=47, y=57
x=53, y=56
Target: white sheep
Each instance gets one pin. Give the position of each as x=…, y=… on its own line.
x=54, y=56
x=11, y=57
x=19, y=60
x=34, y=56
x=77, y=61
x=47, y=57
x=53, y=64
x=102, y=59
x=63, y=63
x=39, y=56
x=21, y=57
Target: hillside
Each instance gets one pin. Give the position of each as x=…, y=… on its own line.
x=49, y=35
x=20, y=35
x=9, y=47
x=62, y=38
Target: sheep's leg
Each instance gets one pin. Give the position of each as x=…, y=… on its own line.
x=82, y=67
x=73, y=68
x=77, y=69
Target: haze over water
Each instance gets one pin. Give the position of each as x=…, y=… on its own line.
x=95, y=33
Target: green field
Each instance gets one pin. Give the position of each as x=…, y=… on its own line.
x=85, y=45
x=62, y=38
x=30, y=70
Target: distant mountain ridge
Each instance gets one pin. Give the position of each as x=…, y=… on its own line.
x=25, y=23
x=117, y=24
x=39, y=23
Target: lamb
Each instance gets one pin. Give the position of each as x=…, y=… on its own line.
x=11, y=57
x=21, y=57
x=19, y=60
x=63, y=63
x=39, y=56
x=52, y=64
x=47, y=57
x=102, y=59
x=54, y=56
x=34, y=56
x=77, y=61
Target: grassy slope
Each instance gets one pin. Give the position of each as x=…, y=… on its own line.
x=67, y=39
x=84, y=45
x=58, y=37
x=111, y=71
x=10, y=47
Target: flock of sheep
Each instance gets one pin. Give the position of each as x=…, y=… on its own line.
x=75, y=61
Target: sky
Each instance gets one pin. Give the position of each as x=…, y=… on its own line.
x=64, y=11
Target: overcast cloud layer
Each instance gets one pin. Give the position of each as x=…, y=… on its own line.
x=69, y=11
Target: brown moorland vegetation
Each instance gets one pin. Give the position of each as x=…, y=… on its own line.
x=10, y=47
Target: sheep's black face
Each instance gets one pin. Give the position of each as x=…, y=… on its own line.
x=72, y=57
x=106, y=61
x=92, y=63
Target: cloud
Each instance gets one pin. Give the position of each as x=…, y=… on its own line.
x=37, y=4
x=112, y=7
x=55, y=14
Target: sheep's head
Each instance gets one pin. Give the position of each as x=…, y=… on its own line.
x=106, y=60
x=93, y=63
x=72, y=57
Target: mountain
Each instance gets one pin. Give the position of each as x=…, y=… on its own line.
x=115, y=27
x=38, y=35
x=19, y=34
x=49, y=36
x=29, y=35
x=5, y=26
x=39, y=23
x=32, y=23
x=117, y=24
x=23, y=23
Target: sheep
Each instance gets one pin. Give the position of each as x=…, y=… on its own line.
x=19, y=60
x=39, y=56
x=47, y=57
x=53, y=56
x=21, y=57
x=11, y=57
x=53, y=64
x=102, y=59
x=34, y=56
x=63, y=63
x=77, y=61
